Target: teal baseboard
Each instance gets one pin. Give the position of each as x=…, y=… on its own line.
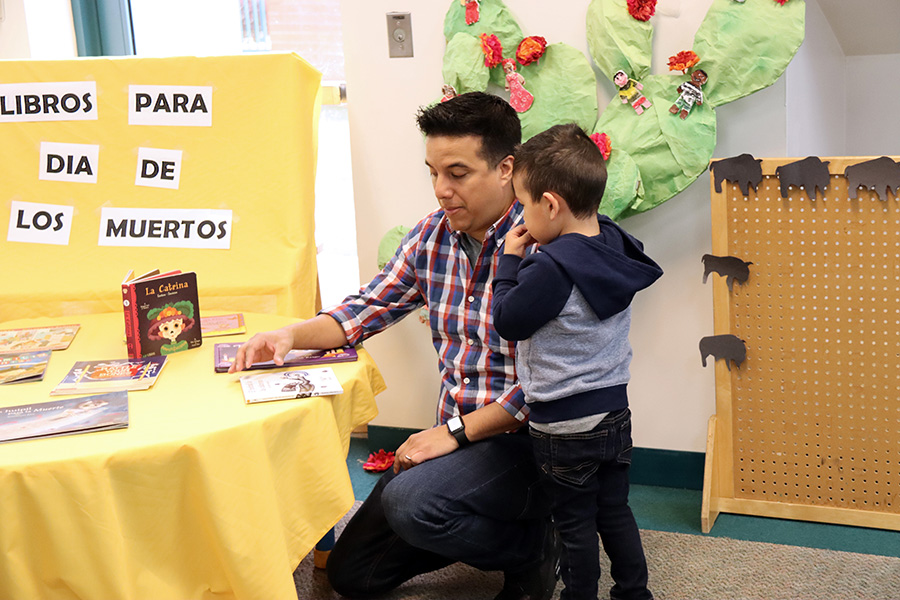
x=649, y=466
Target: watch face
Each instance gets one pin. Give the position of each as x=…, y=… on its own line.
x=454, y=424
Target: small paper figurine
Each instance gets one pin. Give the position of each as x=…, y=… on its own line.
x=690, y=94
x=472, y=11
x=874, y=174
x=730, y=267
x=519, y=98
x=380, y=461
x=630, y=92
x=449, y=92
x=807, y=174
x=743, y=170
x=729, y=348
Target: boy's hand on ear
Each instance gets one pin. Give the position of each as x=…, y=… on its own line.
x=517, y=240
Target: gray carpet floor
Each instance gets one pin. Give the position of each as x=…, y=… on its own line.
x=682, y=567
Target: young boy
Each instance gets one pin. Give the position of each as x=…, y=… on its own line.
x=568, y=306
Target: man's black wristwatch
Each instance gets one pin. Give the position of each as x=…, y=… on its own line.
x=458, y=430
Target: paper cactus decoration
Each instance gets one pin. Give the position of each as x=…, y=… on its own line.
x=656, y=155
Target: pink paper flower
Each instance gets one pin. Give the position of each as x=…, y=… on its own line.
x=531, y=49
x=380, y=461
x=493, y=50
x=642, y=10
x=603, y=143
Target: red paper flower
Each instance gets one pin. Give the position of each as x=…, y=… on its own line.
x=642, y=10
x=380, y=461
x=604, y=143
x=683, y=61
x=530, y=49
x=781, y=2
x=493, y=50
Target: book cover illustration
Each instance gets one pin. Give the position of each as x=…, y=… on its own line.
x=266, y=387
x=29, y=339
x=225, y=354
x=223, y=325
x=162, y=314
x=100, y=412
x=23, y=367
x=111, y=375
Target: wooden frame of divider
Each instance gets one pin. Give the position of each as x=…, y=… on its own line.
x=807, y=427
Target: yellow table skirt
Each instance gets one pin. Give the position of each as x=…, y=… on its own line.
x=201, y=497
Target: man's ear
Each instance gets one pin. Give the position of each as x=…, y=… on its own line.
x=505, y=168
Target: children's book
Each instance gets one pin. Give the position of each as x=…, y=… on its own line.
x=162, y=313
x=223, y=325
x=100, y=412
x=23, y=366
x=225, y=354
x=266, y=387
x=110, y=375
x=53, y=337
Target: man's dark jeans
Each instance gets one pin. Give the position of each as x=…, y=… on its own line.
x=482, y=505
x=586, y=476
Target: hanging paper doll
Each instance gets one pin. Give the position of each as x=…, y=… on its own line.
x=520, y=98
x=449, y=92
x=168, y=323
x=630, y=92
x=472, y=11
x=690, y=94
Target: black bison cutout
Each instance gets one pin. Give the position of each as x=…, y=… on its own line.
x=728, y=347
x=743, y=170
x=873, y=174
x=808, y=173
x=730, y=267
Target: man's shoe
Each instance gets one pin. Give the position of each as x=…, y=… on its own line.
x=539, y=580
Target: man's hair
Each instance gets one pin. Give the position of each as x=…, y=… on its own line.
x=565, y=161
x=488, y=117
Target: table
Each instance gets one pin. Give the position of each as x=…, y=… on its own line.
x=201, y=497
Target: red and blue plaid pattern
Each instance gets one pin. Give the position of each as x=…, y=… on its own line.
x=430, y=268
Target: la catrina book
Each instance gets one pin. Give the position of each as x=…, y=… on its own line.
x=162, y=313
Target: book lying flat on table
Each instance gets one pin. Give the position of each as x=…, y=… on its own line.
x=225, y=353
x=23, y=366
x=110, y=375
x=100, y=412
x=162, y=313
x=53, y=337
x=223, y=325
x=265, y=387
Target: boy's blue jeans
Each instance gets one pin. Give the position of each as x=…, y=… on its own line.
x=586, y=476
x=482, y=505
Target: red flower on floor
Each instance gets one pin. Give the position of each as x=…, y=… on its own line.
x=603, y=143
x=683, y=61
x=530, y=49
x=379, y=461
x=493, y=50
x=642, y=10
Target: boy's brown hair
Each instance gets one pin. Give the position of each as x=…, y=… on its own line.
x=565, y=161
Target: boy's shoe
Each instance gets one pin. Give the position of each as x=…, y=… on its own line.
x=538, y=581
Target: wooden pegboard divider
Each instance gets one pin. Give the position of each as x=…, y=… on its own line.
x=808, y=427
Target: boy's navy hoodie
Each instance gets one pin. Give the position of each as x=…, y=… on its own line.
x=568, y=306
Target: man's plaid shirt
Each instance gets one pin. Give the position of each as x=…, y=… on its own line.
x=431, y=268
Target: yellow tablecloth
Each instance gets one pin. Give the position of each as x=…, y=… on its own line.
x=201, y=497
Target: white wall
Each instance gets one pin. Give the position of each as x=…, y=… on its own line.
x=177, y=28
x=672, y=395
x=816, y=92
x=37, y=29
x=873, y=84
